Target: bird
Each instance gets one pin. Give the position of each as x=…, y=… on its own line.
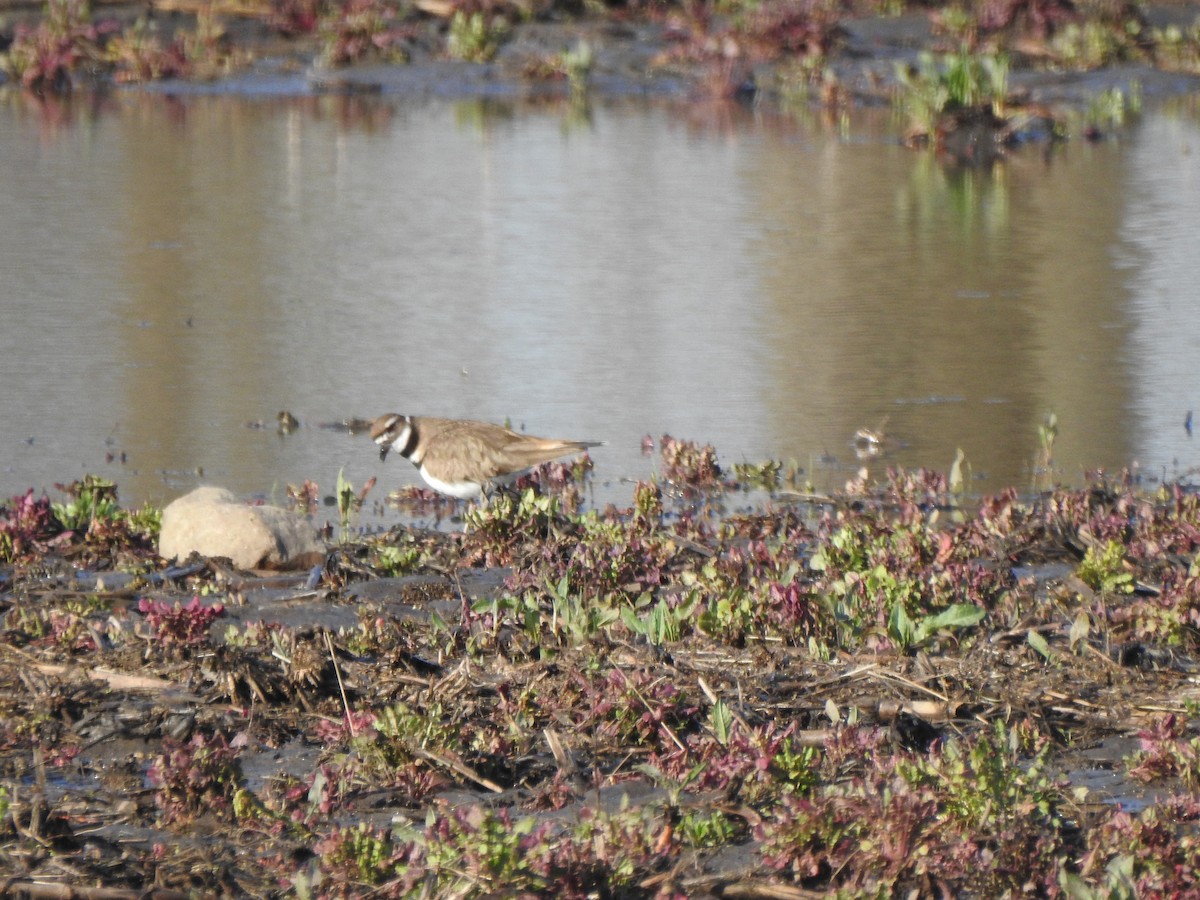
x=465, y=458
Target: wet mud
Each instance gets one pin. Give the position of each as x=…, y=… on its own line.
x=670, y=699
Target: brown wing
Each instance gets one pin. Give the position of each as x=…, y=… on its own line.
x=533, y=451
x=482, y=451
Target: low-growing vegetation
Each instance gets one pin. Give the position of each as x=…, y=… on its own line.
x=880, y=692
x=955, y=97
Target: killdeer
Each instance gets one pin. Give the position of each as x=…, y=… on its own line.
x=464, y=458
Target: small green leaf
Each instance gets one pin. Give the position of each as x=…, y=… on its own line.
x=900, y=627
x=632, y=622
x=960, y=615
x=720, y=719
x=1038, y=643
x=1080, y=628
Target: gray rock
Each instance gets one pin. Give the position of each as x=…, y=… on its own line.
x=212, y=521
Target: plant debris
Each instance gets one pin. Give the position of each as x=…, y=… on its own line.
x=881, y=692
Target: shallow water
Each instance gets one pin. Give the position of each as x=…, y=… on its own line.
x=175, y=268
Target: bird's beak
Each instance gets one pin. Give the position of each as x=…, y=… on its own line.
x=383, y=452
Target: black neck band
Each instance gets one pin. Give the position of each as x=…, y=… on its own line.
x=411, y=444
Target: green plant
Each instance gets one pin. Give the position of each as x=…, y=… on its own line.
x=367, y=855
x=392, y=560
x=475, y=37
x=1177, y=48
x=1047, y=435
x=497, y=528
x=93, y=498
x=765, y=475
x=959, y=81
x=575, y=617
x=1096, y=43
x=356, y=30
x=137, y=55
x=1104, y=570
x=577, y=66
x=958, y=24
x=910, y=635
x=989, y=785
x=349, y=502
x=664, y=623
x=1118, y=882
x=426, y=729
x=720, y=721
x=730, y=614
x=478, y=847
x=705, y=828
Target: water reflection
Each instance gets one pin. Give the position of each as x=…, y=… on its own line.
x=179, y=267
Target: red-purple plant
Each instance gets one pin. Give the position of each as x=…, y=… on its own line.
x=687, y=464
x=1039, y=18
x=792, y=28
x=366, y=855
x=191, y=778
x=1160, y=847
x=292, y=18
x=602, y=855
x=332, y=732
x=563, y=479
x=179, y=625
x=636, y=706
x=45, y=58
x=305, y=499
x=1167, y=752
x=27, y=524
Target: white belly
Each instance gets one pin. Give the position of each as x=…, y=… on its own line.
x=463, y=490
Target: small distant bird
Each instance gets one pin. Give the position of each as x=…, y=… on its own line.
x=465, y=458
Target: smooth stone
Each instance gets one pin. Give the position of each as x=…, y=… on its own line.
x=213, y=522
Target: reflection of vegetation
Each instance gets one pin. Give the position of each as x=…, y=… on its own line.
x=1111, y=108
x=977, y=200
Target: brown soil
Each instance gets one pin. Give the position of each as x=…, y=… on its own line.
x=148, y=758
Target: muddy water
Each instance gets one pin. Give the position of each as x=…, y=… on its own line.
x=176, y=268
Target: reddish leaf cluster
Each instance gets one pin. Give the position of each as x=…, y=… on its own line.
x=180, y=624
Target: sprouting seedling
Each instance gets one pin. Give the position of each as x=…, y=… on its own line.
x=577, y=63
x=1047, y=433
x=349, y=502
x=956, y=481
